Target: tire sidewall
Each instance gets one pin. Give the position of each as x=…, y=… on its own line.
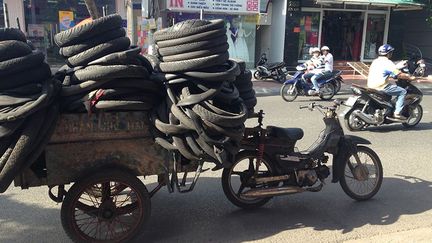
x=283, y=93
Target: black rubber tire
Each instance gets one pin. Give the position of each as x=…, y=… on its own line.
x=154, y=62
x=196, y=54
x=194, y=64
x=229, y=120
x=12, y=34
x=72, y=50
x=83, y=58
x=348, y=117
x=82, y=87
x=19, y=64
x=127, y=57
x=141, y=194
x=88, y=30
x=33, y=75
x=192, y=46
x=226, y=181
x=245, y=88
x=241, y=63
x=332, y=91
x=420, y=111
x=257, y=75
x=377, y=160
x=12, y=49
x=208, y=35
x=283, y=92
x=244, y=77
x=109, y=72
x=227, y=72
x=249, y=95
x=251, y=103
x=187, y=28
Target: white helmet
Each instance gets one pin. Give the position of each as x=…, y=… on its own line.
x=313, y=50
x=325, y=48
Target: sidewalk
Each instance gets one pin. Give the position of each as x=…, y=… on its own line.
x=414, y=235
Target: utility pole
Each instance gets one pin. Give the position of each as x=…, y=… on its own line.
x=6, y=15
x=92, y=9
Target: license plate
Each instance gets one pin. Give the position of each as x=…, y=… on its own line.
x=351, y=101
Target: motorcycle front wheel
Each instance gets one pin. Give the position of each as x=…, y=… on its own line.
x=289, y=92
x=239, y=178
x=327, y=91
x=362, y=179
x=257, y=75
x=415, y=116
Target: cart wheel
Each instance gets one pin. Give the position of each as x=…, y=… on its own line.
x=110, y=205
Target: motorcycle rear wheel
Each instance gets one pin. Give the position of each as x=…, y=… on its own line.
x=244, y=171
x=367, y=178
x=337, y=85
x=416, y=114
x=352, y=123
x=288, y=92
x=257, y=75
x=327, y=91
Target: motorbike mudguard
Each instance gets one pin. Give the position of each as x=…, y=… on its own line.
x=357, y=140
x=290, y=81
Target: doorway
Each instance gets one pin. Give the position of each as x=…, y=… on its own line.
x=343, y=32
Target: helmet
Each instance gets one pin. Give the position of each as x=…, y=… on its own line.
x=325, y=48
x=313, y=50
x=385, y=49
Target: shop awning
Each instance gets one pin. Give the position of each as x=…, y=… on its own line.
x=395, y=4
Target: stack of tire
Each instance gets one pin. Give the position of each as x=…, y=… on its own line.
x=103, y=71
x=203, y=116
x=27, y=111
x=244, y=85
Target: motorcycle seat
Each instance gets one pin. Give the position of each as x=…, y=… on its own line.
x=275, y=65
x=379, y=93
x=280, y=132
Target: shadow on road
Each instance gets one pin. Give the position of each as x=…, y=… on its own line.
x=206, y=215
x=398, y=127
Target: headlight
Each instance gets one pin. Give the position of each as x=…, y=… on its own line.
x=356, y=91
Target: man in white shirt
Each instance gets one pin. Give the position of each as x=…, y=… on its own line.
x=328, y=67
x=381, y=70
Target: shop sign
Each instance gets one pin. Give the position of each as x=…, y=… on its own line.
x=66, y=20
x=226, y=6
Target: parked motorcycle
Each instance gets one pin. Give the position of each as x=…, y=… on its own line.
x=276, y=71
x=416, y=67
x=371, y=107
x=269, y=165
x=298, y=86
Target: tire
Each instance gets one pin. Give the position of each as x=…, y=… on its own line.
x=251, y=103
x=88, y=30
x=257, y=75
x=208, y=35
x=419, y=110
x=196, y=54
x=360, y=172
x=12, y=34
x=329, y=91
x=109, y=72
x=33, y=75
x=350, y=123
x=105, y=212
x=337, y=85
x=128, y=57
x=153, y=61
x=188, y=28
x=226, y=72
x=227, y=183
x=19, y=64
x=244, y=77
x=229, y=119
x=194, y=64
x=249, y=95
x=83, y=58
x=72, y=50
x=193, y=46
x=289, y=92
x=11, y=49
x=245, y=87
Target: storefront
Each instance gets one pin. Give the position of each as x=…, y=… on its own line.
x=2, y=23
x=353, y=30
x=240, y=17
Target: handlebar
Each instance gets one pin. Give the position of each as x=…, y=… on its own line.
x=313, y=105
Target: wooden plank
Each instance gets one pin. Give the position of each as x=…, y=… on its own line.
x=360, y=67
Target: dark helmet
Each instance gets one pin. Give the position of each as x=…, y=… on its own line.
x=385, y=49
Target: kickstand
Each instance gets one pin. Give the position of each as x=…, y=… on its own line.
x=180, y=186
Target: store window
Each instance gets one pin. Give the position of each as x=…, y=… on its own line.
x=45, y=18
x=374, y=35
x=241, y=33
x=308, y=33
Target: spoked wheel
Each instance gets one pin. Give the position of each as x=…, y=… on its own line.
x=257, y=75
x=327, y=91
x=108, y=206
x=240, y=178
x=362, y=179
x=338, y=85
x=354, y=123
x=415, y=116
x=288, y=92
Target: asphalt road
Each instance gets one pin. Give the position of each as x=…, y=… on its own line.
x=400, y=212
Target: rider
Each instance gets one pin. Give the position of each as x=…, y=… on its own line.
x=327, y=59
x=379, y=72
x=314, y=65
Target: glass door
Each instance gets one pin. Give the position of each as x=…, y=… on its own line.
x=308, y=33
x=375, y=35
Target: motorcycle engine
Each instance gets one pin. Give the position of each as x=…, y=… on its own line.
x=306, y=177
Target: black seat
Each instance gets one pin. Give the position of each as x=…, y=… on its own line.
x=275, y=65
x=381, y=94
x=280, y=132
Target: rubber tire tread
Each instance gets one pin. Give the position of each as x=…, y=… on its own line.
x=34, y=75
x=196, y=54
x=194, y=64
x=192, y=46
x=83, y=58
x=72, y=50
x=228, y=121
x=208, y=35
x=86, y=31
x=110, y=72
x=12, y=34
x=187, y=28
x=12, y=49
x=19, y=64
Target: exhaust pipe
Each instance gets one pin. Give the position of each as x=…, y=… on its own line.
x=280, y=191
x=370, y=119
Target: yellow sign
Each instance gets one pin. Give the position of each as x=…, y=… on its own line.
x=66, y=20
